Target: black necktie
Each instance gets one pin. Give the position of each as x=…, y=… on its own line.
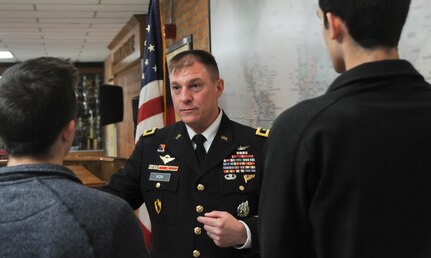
x=199, y=139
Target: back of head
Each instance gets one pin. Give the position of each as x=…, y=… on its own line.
x=37, y=99
x=371, y=23
x=187, y=58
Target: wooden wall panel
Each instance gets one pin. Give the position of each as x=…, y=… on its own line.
x=130, y=80
x=125, y=71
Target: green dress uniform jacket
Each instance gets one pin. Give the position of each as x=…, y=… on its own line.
x=163, y=172
x=347, y=174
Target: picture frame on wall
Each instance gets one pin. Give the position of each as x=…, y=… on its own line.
x=184, y=44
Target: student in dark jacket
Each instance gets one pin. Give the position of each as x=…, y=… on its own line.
x=45, y=211
x=348, y=173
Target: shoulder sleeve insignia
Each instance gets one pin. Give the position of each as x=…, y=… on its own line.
x=262, y=132
x=149, y=132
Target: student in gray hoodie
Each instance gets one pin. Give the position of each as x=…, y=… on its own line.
x=45, y=211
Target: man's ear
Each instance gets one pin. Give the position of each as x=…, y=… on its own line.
x=336, y=26
x=220, y=86
x=68, y=132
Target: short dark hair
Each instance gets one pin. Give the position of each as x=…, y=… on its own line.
x=37, y=99
x=186, y=58
x=371, y=23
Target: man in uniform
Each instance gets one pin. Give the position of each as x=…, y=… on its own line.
x=200, y=178
x=348, y=173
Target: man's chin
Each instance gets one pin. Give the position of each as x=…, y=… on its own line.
x=188, y=119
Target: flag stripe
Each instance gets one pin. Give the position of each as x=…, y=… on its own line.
x=150, y=108
x=150, y=91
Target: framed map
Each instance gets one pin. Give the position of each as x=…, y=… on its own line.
x=271, y=54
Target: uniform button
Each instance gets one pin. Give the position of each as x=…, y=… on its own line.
x=198, y=230
x=157, y=185
x=196, y=253
x=199, y=208
x=200, y=187
x=241, y=188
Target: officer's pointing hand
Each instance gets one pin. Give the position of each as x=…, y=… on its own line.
x=224, y=229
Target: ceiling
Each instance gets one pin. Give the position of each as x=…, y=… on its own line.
x=77, y=29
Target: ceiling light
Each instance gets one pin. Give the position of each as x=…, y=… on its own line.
x=5, y=55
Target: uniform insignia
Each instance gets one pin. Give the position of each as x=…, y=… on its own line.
x=224, y=138
x=161, y=148
x=158, y=206
x=241, y=162
x=150, y=132
x=230, y=176
x=248, y=177
x=166, y=159
x=160, y=177
x=243, y=210
x=241, y=148
x=163, y=167
x=262, y=132
x=178, y=136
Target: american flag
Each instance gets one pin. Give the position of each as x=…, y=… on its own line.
x=155, y=103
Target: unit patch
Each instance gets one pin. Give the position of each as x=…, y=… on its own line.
x=161, y=148
x=158, y=206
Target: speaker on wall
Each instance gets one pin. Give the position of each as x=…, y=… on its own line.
x=135, y=107
x=110, y=104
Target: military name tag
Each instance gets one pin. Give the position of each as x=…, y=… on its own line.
x=160, y=177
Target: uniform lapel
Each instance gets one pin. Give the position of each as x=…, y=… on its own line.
x=222, y=145
x=181, y=147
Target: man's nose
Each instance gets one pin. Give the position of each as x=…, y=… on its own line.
x=185, y=95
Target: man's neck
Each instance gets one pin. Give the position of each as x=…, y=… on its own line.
x=15, y=161
x=357, y=56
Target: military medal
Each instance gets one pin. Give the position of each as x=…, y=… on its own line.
x=166, y=159
x=241, y=162
x=248, y=177
x=230, y=176
x=241, y=148
x=163, y=167
x=243, y=210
